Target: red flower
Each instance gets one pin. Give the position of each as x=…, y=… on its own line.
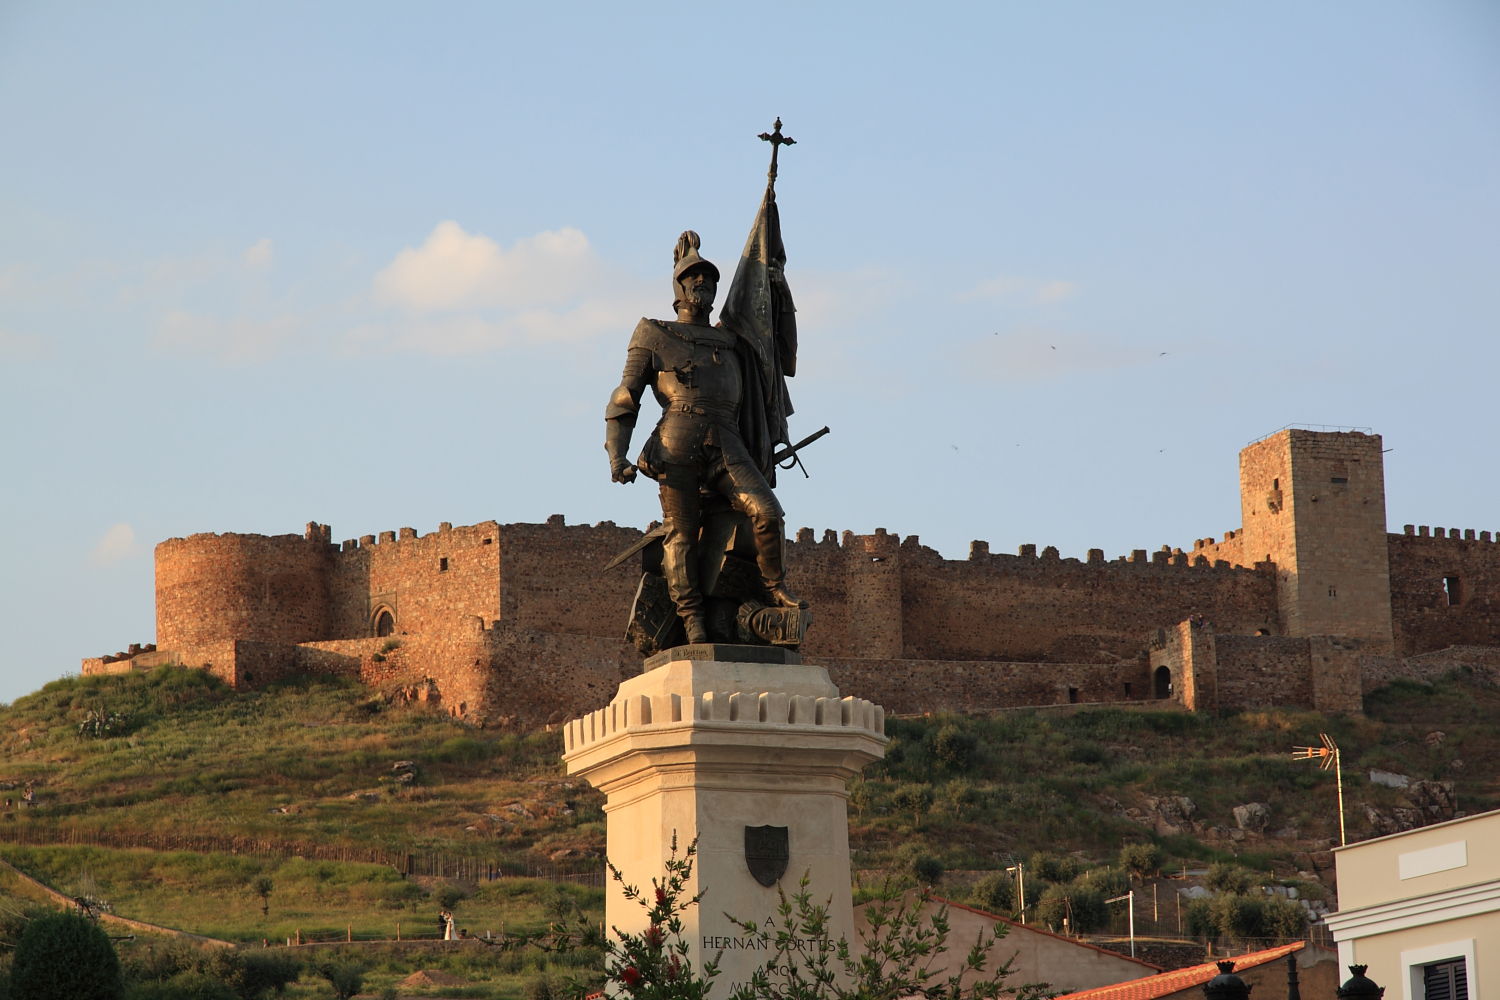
x=661, y=896
x=630, y=975
x=653, y=936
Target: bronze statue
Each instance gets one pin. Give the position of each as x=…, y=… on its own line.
x=713, y=453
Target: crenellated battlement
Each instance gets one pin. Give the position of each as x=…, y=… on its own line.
x=1311, y=557
x=1448, y=534
x=636, y=713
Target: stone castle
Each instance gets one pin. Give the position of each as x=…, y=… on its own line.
x=1309, y=603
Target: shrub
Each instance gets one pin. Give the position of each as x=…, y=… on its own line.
x=927, y=869
x=1230, y=878
x=1233, y=915
x=1054, y=868
x=450, y=895
x=915, y=798
x=267, y=972
x=1107, y=881
x=346, y=978
x=1142, y=860
x=952, y=747
x=995, y=892
x=65, y=956
x=656, y=964
x=1084, y=906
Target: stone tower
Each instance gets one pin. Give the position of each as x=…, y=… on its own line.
x=1313, y=502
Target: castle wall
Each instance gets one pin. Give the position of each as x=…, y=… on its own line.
x=553, y=577
x=908, y=687
x=1445, y=588
x=1262, y=671
x=501, y=675
x=1045, y=608
x=425, y=581
x=1311, y=561
x=212, y=587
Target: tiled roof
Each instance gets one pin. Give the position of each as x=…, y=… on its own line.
x=1153, y=987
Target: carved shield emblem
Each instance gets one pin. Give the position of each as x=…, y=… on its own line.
x=767, y=851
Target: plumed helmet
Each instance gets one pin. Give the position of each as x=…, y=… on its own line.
x=685, y=258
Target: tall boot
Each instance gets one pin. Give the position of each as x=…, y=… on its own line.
x=681, y=516
x=770, y=556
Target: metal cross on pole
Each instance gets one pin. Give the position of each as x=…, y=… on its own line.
x=1327, y=757
x=777, y=140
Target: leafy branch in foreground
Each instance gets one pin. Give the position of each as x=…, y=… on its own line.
x=899, y=954
x=656, y=964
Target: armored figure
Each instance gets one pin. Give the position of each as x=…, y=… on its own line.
x=720, y=420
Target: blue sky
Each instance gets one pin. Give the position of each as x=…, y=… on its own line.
x=375, y=264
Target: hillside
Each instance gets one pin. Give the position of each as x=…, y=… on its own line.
x=335, y=797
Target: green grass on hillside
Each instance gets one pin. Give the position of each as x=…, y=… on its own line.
x=215, y=895
x=306, y=768
x=306, y=764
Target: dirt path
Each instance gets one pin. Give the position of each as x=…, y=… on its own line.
x=109, y=918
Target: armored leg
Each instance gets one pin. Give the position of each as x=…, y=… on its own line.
x=770, y=556
x=681, y=516
x=752, y=496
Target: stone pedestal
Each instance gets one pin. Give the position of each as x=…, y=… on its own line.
x=706, y=748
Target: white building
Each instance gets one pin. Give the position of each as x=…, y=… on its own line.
x=1422, y=910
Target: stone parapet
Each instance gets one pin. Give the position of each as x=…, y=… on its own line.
x=745, y=698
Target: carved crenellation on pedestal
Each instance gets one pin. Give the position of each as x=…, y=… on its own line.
x=738, y=709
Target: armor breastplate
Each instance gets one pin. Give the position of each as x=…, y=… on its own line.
x=697, y=370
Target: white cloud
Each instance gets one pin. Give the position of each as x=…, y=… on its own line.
x=477, y=333
x=232, y=341
x=1035, y=291
x=1036, y=353
x=1050, y=292
x=454, y=269
x=21, y=346
x=116, y=544
x=258, y=255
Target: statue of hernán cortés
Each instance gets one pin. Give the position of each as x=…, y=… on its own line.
x=713, y=452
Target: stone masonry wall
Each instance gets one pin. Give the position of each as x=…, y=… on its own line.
x=425, y=581
x=553, y=577
x=909, y=687
x=1257, y=671
x=1445, y=588
x=1049, y=609
x=211, y=587
x=1342, y=566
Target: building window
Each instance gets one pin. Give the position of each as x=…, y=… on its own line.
x=443, y=564
x=1333, y=591
x=1452, y=591
x=1445, y=980
x=1073, y=695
